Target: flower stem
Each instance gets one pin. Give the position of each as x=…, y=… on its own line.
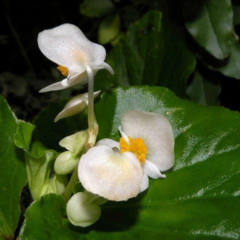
x=92, y=123
x=73, y=180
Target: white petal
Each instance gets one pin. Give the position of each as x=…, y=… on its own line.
x=123, y=134
x=81, y=212
x=67, y=83
x=67, y=46
x=145, y=183
x=157, y=133
x=75, y=106
x=105, y=66
x=111, y=175
x=108, y=142
x=152, y=171
x=70, y=111
x=53, y=87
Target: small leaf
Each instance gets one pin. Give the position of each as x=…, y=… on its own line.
x=12, y=172
x=109, y=29
x=96, y=8
x=211, y=25
x=23, y=135
x=204, y=92
x=39, y=163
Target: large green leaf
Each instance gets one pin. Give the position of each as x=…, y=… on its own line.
x=12, y=173
x=210, y=23
x=203, y=91
x=152, y=53
x=199, y=199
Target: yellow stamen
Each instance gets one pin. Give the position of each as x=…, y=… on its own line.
x=63, y=70
x=136, y=146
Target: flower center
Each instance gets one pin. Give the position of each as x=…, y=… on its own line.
x=63, y=70
x=136, y=146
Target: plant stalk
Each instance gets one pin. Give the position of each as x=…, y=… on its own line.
x=92, y=132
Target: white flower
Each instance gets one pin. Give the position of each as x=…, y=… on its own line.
x=75, y=106
x=68, y=47
x=119, y=171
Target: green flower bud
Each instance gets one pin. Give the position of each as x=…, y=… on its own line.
x=65, y=163
x=81, y=211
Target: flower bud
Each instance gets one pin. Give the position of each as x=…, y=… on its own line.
x=81, y=211
x=75, y=106
x=65, y=163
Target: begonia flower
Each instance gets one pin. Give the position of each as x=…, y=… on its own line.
x=67, y=46
x=120, y=170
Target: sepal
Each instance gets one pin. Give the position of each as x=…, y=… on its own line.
x=75, y=143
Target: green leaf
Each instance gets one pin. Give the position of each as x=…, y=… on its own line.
x=96, y=8
x=12, y=172
x=229, y=67
x=210, y=23
x=43, y=218
x=109, y=29
x=23, y=135
x=152, y=53
x=232, y=69
x=39, y=163
x=199, y=199
x=203, y=91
